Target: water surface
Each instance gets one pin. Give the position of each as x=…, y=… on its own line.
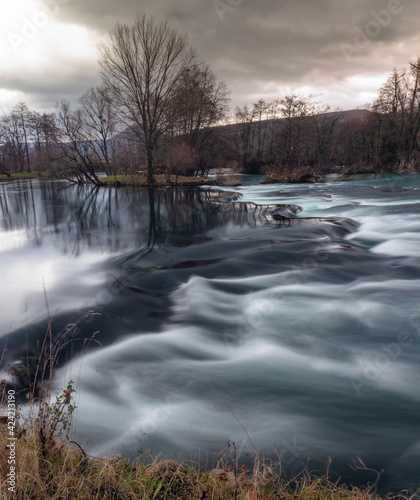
x=297, y=304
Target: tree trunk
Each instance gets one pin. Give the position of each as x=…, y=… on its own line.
x=149, y=154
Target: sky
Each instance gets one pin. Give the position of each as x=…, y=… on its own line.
x=341, y=50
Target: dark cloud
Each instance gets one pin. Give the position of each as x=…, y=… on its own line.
x=43, y=92
x=264, y=47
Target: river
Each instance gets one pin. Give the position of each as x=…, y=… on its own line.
x=281, y=316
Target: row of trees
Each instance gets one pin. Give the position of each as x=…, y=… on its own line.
x=293, y=131
x=159, y=106
x=397, y=112
x=156, y=106
x=25, y=138
x=297, y=131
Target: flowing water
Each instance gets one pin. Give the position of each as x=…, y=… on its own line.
x=270, y=315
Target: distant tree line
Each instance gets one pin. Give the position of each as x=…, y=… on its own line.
x=26, y=138
x=160, y=109
x=297, y=132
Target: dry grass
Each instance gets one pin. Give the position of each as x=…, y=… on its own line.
x=404, y=167
x=160, y=180
x=285, y=174
x=22, y=176
x=65, y=472
x=49, y=465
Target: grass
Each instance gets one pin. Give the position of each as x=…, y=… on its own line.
x=48, y=464
x=124, y=180
x=62, y=470
x=21, y=176
x=160, y=180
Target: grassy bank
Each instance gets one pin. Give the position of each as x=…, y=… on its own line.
x=310, y=175
x=125, y=180
x=23, y=176
x=160, y=180
x=52, y=468
x=38, y=461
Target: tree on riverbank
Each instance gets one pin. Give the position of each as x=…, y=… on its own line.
x=141, y=65
x=397, y=110
x=77, y=158
x=294, y=131
x=87, y=137
x=199, y=102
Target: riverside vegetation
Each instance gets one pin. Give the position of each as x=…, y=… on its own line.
x=161, y=110
x=47, y=465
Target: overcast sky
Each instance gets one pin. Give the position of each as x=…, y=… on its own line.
x=342, y=49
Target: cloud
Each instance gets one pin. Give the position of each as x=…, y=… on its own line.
x=44, y=59
x=260, y=49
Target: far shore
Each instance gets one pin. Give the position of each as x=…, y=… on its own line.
x=23, y=176
x=304, y=175
x=159, y=181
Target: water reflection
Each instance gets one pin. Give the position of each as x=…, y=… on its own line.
x=82, y=218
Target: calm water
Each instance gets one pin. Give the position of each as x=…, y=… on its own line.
x=298, y=304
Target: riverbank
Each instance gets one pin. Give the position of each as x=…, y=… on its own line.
x=37, y=466
x=23, y=176
x=159, y=181
x=310, y=175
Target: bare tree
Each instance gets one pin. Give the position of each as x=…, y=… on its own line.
x=244, y=136
x=141, y=65
x=44, y=136
x=179, y=158
x=12, y=144
x=295, y=108
x=255, y=134
x=16, y=135
x=398, y=114
x=100, y=124
x=325, y=123
x=22, y=116
x=199, y=101
x=78, y=158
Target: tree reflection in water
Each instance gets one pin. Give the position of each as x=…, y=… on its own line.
x=118, y=219
x=140, y=230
